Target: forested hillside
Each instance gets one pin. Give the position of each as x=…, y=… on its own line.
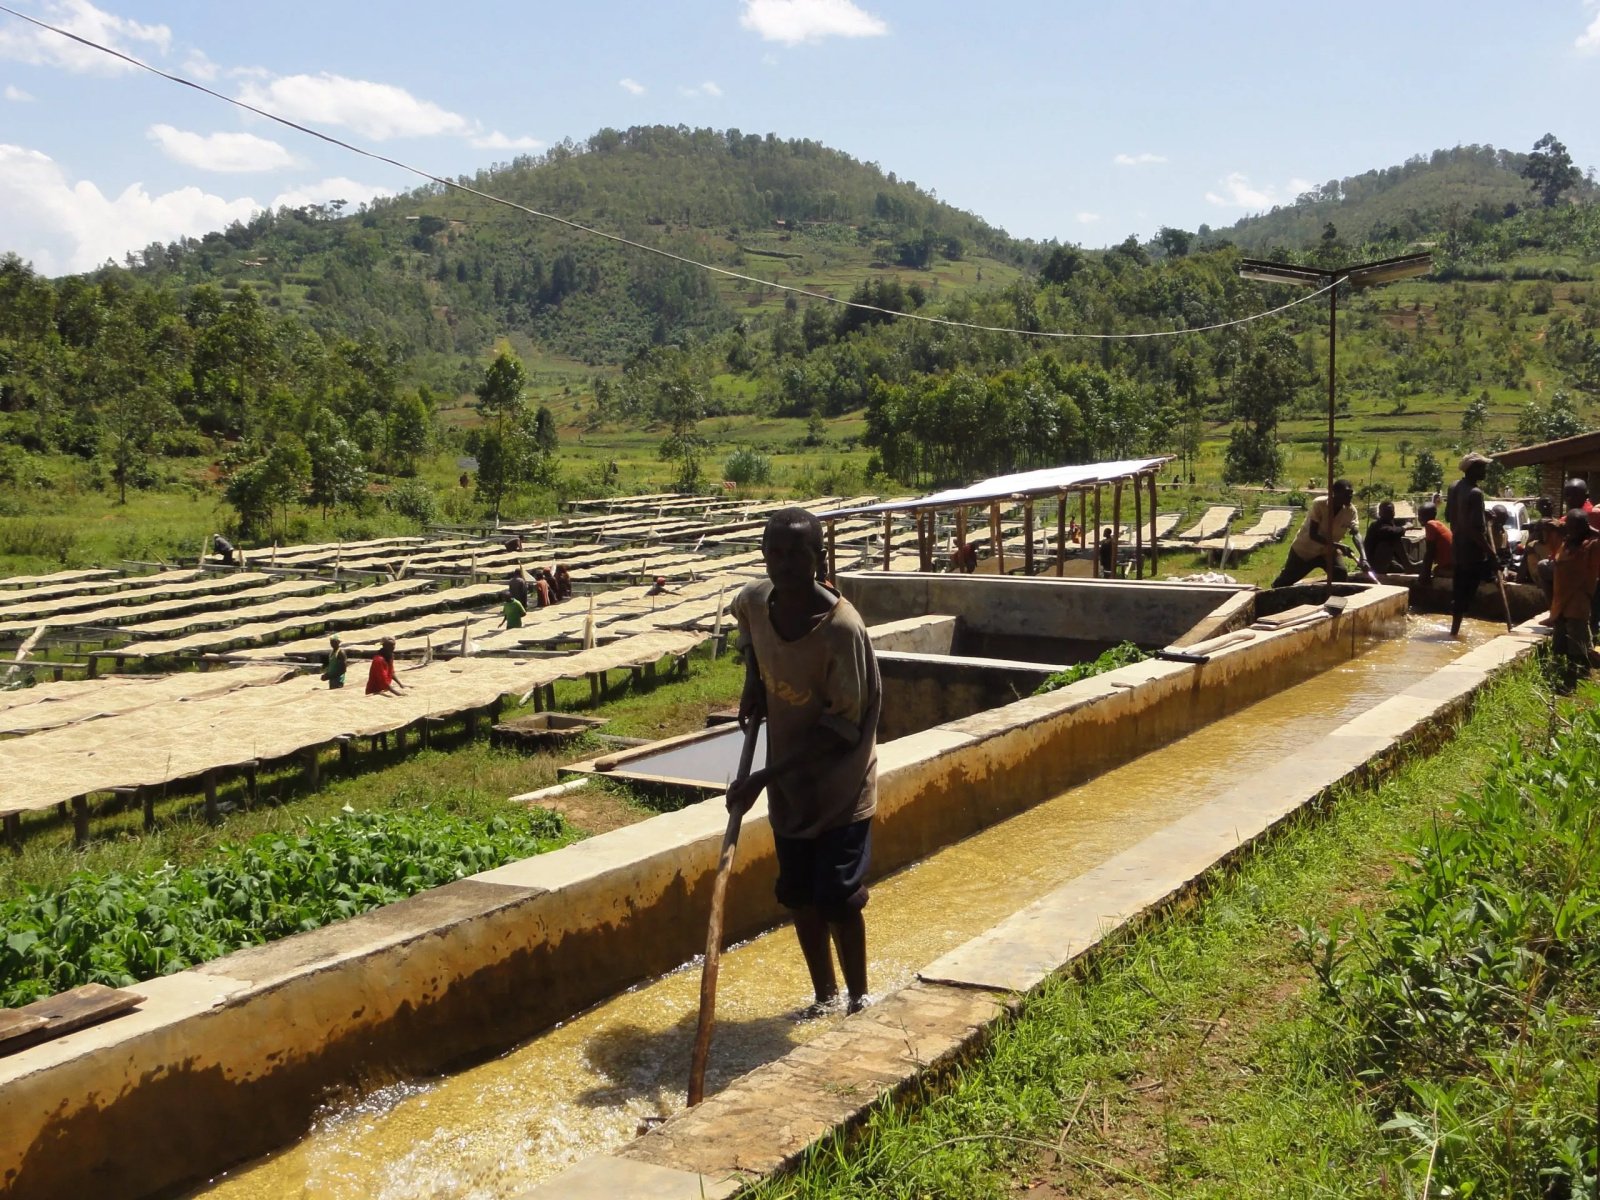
x=316, y=366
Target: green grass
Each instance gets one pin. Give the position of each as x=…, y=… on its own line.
x=1186, y=1060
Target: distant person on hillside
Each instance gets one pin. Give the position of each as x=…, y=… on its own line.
x=1438, y=556
x=1107, y=554
x=1320, y=540
x=334, y=669
x=1385, y=543
x=381, y=679
x=222, y=548
x=1574, y=575
x=1469, y=536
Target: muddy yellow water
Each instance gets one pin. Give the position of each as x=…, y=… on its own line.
x=584, y=1086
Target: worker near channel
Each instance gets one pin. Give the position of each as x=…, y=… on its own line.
x=1438, y=555
x=1321, y=537
x=810, y=671
x=1108, y=554
x=1385, y=543
x=1469, y=537
x=1574, y=576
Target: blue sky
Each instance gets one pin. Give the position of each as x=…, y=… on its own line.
x=1082, y=122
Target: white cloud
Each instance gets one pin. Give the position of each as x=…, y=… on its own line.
x=16, y=94
x=795, y=21
x=499, y=141
x=201, y=67
x=1240, y=193
x=1087, y=218
x=39, y=47
x=220, y=151
x=63, y=226
x=1139, y=160
x=336, y=188
x=375, y=110
x=631, y=86
x=705, y=89
x=1588, y=42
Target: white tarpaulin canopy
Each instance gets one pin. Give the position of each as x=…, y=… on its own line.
x=1046, y=482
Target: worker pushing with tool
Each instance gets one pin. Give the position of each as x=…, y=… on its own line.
x=811, y=674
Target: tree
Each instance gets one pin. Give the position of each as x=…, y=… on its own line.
x=1550, y=171
x=338, y=473
x=684, y=405
x=1426, y=474
x=500, y=392
x=1474, y=419
x=409, y=433
x=1174, y=242
x=501, y=457
x=1264, y=385
x=277, y=478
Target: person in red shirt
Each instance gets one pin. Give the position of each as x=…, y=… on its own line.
x=381, y=680
x=1438, y=556
x=1574, y=577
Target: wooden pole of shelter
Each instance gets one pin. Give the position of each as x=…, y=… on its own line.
x=1097, y=532
x=1061, y=535
x=924, y=540
x=833, y=559
x=1116, y=524
x=995, y=543
x=1027, y=536
x=1083, y=518
x=961, y=527
x=1138, y=530
x=888, y=533
x=1153, y=552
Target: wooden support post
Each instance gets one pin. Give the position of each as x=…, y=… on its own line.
x=1083, y=519
x=13, y=823
x=314, y=766
x=635, y=678
x=346, y=757
x=94, y=666
x=1061, y=535
x=1098, y=572
x=961, y=527
x=400, y=740
x=888, y=537
x=650, y=672
x=213, y=813
x=1153, y=553
x=252, y=785
x=80, y=820
x=1138, y=531
x=1116, y=525
x=430, y=727
x=1027, y=536
x=147, y=801
x=995, y=542
x=550, y=697
x=594, y=688
x=833, y=558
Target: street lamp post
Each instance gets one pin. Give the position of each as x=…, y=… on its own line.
x=1356, y=275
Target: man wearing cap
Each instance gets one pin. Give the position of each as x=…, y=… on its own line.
x=1320, y=538
x=333, y=670
x=1469, y=537
x=380, y=676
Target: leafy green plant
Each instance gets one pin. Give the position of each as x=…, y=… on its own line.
x=1121, y=655
x=118, y=928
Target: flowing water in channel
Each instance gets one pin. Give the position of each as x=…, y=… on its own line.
x=582, y=1087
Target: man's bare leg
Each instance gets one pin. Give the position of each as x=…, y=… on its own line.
x=812, y=931
x=850, y=939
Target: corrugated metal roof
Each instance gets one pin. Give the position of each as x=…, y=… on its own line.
x=1046, y=482
x=1560, y=450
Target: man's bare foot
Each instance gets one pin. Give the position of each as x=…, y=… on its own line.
x=857, y=1003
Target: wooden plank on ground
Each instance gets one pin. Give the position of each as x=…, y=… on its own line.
x=69, y=1011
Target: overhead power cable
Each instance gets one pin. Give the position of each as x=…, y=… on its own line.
x=643, y=246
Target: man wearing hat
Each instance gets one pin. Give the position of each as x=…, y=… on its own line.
x=333, y=671
x=1469, y=537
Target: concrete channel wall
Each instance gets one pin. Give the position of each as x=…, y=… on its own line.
x=231, y=1059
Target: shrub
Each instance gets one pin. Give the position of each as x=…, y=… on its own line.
x=745, y=467
x=414, y=499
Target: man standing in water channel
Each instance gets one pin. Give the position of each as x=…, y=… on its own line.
x=810, y=672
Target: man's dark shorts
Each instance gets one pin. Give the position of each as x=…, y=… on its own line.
x=829, y=870
x=1464, y=584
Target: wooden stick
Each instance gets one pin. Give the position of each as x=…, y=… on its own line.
x=713, y=959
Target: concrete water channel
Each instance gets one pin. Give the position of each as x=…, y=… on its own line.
x=582, y=960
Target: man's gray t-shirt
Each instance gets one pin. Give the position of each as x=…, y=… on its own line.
x=829, y=677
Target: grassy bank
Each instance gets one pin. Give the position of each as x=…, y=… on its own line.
x=1203, y=1058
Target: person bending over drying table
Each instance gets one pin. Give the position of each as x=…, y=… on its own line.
x=1469, y=537
x=381, y=679
x=810, y=670
x=334, y=669
x=1320, y=539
